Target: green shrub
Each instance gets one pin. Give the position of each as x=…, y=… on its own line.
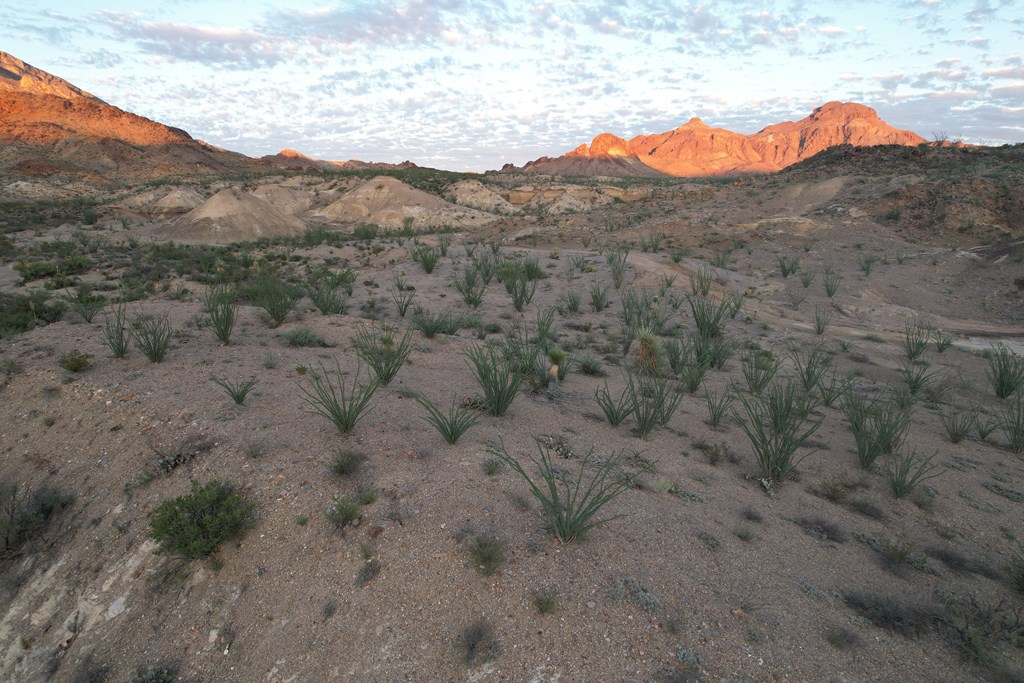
x=700, y=282
x=155, y=674
x=496, y=376
x=789, y=265
x=236, y=390
x=327, y=297
x=759, y=368
x=25, y=513
x=1012, y=424
x=470, y=287
x=831, y=280
x=74, y=361
x=342, y=406
x=220, y=304
x=879, y=427
x=775, y=427
x=344, y=511
x=193, y=525
x=599, y=297
x=431, y=324
x=84, y=302
x=571, y=504
x=402, y=296
x=116, y=331
x=378, y=349
x=276, y=298
x=614, y=411
x=303, y=337
x=958, y=422
x=152, y=336
x=905, y=470
x=1005, y=371
x=450, y=426
x=708, y=316
x=347, y=462
x=916, y=337
x=488, y=552
x=20, y=313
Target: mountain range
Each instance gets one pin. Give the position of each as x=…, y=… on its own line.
x=50, y=127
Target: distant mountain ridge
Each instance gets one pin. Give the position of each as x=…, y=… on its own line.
x=696, y=149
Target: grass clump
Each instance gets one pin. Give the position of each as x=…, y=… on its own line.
x=344, y=511
x=614, y=411
x=545, y=600
x=116, y=332
x=193, y=525
x=788, y=265
x=497, y=377
x=239, y=390
x=571, y=505
x=775, y=426
x=879, y=426
x=1005, y=371
x=916, y=337
x=378, y=349
x=487, y=553
x=152, y=336
x=905, y=471
x=759, y=368
x=326, y=297
x=450, y=426
x=347, y=462
x=337, y=402
x=432, y=324
x=651, y=401
x=478, y=643
x=599, y=297
x=958, y=422
x=719, y=406
x=155, y=674
x=221, y=305
x=84, y=302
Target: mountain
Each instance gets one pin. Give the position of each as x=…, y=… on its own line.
x=297, y=161
x=696, y=149
x=49, y=127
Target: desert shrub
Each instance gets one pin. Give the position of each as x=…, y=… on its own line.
x=831, y=280
x=221, y=305
x=25, y=513
x=152, y=336
x=879, y=426
x=344, y=511
x=333, y=399
x=1012, y=424
x=347, y=462
x=905, y=471
x=74, y=361
x=21, y=313
x=599, y=297
x=759, y=368
x=451, y=425
x=719, y=406
x=700, y=281
x=588, y=364
x=821, y=320
x=432, y=324
x=498, y=379
x=651, y=401
x=239, y=390
x=116, y=332
x=193, y=525
x=775, y=427
x=520, y=287
x=788, y=265
x=614, y=411
x=327, y=297
x=378, y=348
x=1005, y=371
x=617, y=261
x=426, y=256
x=708, y=315
x=486, y=551
x=958, y=422
x=571, y=504
x=276, y=298
x=303, y=337
x=85, y=302
x=810, y=368
x=155, y=674
x=402, y=296
x=470, y=286
x=916, y=337
x=478, y=643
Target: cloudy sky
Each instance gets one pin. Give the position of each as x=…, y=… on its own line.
x=470, y=85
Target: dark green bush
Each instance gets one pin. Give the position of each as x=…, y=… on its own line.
x=24, y=513
x=193, y=525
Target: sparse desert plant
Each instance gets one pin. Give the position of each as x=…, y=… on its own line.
x=719, y=405
x=571, y=504
x=276, y=298
x=810, y=368
x=788, y=265
x=665, y=282
x=303, y=337
x=470, y=286
x=759, y=368
x=1016, y=567
x=327, y=297
x=943, y=340
x=116, y=332
x=1005, y=370
x=450, y=426
x=905, y=470
x=1012, y=424
x=344, y=511
x=918, y=377
x=520, y=287
x=347, y=462
x=74, y=361
x=867, y=263
x=377, y=347
x=614, y=411
x=486, y=551
x=569, y=301
x=193, y=525
x=85, y=302
x=340, y=404
x=617, y=264
x=733, y=302
x=707, y=315
x=831, y=389
x=239, y=390
x=402, y=296
x=432, y=324
x=155, y=674
x=915, y=339
x=700, y=282
x=831, y=279
x=427, y=257
x=821, y=320
x=24, y=514
x=652, y=402
x=545, y=599
x=958, y=422
x=478, y=643
x=693, y=371
x=649, y=354
x=496, y=376
x=795, y=297
x=879, y=426
x=599, y=297
x=588, y=364
x=775, y=426
x=152, y=336
x=221, y=305
x=806, y=278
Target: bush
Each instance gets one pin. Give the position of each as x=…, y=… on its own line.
x=192, y=526
x=84, y=302
x=775, y=427
x=342, y=406
x=303, y=337
x=276, y=298
x=220, y=305
x=452, y=425
x=74, y=361
x=347, y=462
x=24, y=514
x=571, y=505
x=498, y=379
x=155, y=674
x=152, y=336
x=116, y=332
x=488, y=553
x=377, y=348
x=236, y=390
x=1005, y=371
x=20, y=313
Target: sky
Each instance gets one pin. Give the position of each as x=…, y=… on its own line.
x=468, y=86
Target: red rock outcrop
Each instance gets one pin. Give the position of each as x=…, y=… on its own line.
x=696, y=149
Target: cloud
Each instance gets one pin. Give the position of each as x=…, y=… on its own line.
x=232, y=47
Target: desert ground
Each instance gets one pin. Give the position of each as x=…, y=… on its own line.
x=384, y=553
